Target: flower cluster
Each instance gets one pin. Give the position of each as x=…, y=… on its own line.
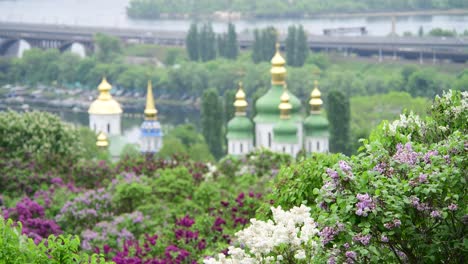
x=406, y=155
x=32, y=217
x=293, y=229
x=365, y=204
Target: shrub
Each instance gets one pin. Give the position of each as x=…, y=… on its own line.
x=16, y=248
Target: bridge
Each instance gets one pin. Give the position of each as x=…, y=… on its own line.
x=63, y=37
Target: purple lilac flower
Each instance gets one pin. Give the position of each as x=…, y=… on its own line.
x=384, y=239
x=452, y=207
x=351, y=254
x=333, y=174
x=327, y=234
x=422, y=178
x=406, y=155
x=331, y=260
x=397, y=222
x=428, y=155
x=380, y=168
x=436, y=214
x=447, y=159
x=363, y=239
x=365, y=204
x=185, y=221
x=344, y=166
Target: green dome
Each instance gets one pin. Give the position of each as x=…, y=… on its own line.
x=316, y=125
x=240, y=127
x=285, y=131
x=267, y=106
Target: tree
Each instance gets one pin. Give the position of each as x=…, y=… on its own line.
x=212, y=122
x=107, y=47
x=207, y=43
x=291, y=46
x=232, y=46
x=191, y=42
x=257, y=47
x=338, y=112
x=301, y=47
x=269, y=39
x=229, y=97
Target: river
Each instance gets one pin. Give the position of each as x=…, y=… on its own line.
x=112, y=13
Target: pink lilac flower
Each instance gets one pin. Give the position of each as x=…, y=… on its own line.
x=452, y=207
x=365, y=204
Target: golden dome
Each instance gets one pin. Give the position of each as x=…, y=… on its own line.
x=285, y=106
x=105, y=104
x=240, y=104
x=315, y=100
x=150, y=109
x=102, y=140
x=278, y=71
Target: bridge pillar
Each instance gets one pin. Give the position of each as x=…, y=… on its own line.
x=421, y=58
x=434, y=58
x=380, y=55
x=394, y=54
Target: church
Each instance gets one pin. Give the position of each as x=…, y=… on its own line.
x=278, y=124
x=105, y=119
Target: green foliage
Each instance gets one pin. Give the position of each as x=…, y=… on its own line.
x=439, y=32
x=16, y=248
x=185, y=139
x=264, y=44
x=295, y=184
x=212, y=121
x=41, y=135
x=107, y=47
x=368, y=111
x=207, y=43
x=296, y=46
x=338, y=113
x=192, y=42
x=128, y=195
x=423, y=83
x=150, y=9
x=173, y=185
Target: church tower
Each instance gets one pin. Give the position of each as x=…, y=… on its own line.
x=151, y=133
x=316, y=124
x=240, y=128
x=266, y=106
x=105, y=113
x=285, y=132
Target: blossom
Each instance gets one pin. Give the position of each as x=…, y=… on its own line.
x=422, y=178
x=327, y=234
x=436, y=214
x=333, y=174
x=452, y=207
x=365, y=204
x=294, y=229
x=405, y=154
x=363, y=239
x=384, y=239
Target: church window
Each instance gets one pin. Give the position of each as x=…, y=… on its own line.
x=318, y=146
x=269, y=139
x=310, y=146
x=108, y=128
x=241, y=148
x=284, y=149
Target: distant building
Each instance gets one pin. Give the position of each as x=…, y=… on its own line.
x=151, y=133
x=278, y=124
x=105, y=113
